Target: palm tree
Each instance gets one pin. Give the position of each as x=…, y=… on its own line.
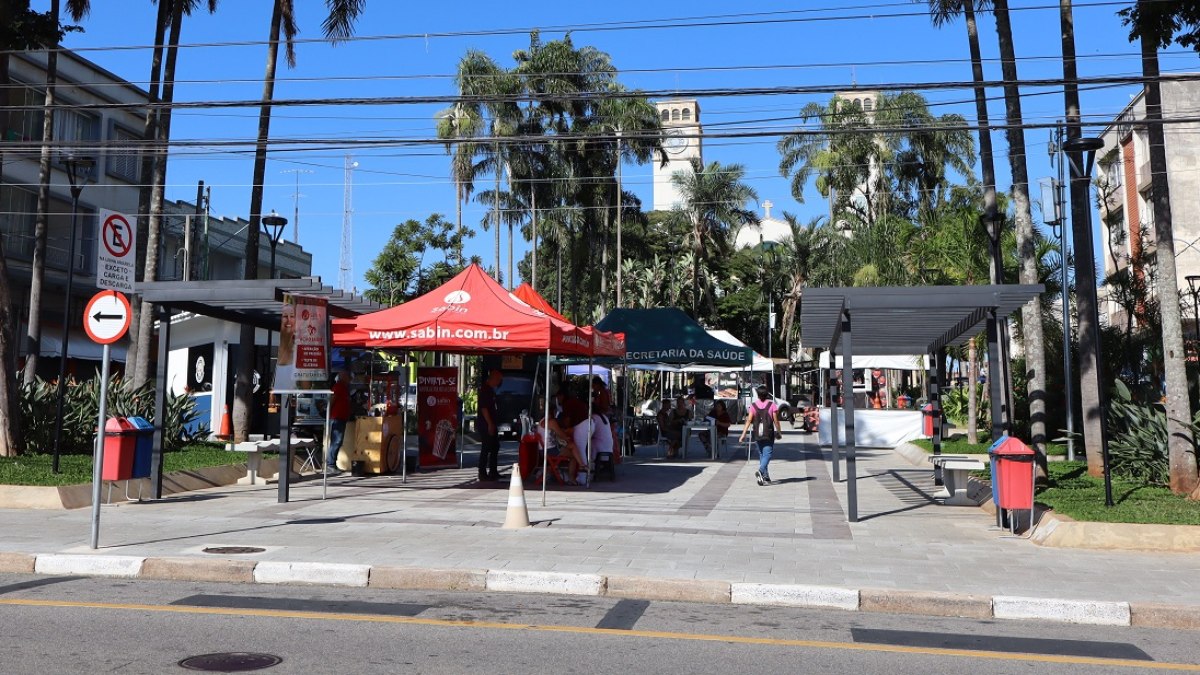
x=714, y=200
x=157, y=134
x=338, y=25
x=39, y=30
x=833, y=153
x=78, y=9
x=796, y=262
x=638, y=118
x=1154, y=25
x=456, y=126
x=1035, y=347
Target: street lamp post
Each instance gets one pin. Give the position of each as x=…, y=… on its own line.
x=1192, y=280
x=77, y=167
x=1081, y=155
x=272, y=226
x=1059, y=224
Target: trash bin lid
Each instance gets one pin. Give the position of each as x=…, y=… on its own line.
x=117, y=425
x=140, y=423
x=1009, y=446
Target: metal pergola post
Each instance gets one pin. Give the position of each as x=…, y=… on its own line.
x=160, y=400
x=851, y=439
x=834, y=452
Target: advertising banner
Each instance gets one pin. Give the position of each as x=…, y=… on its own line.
x=437, y=416
x=303, y=361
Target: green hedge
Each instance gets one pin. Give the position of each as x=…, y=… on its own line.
x=35, y=469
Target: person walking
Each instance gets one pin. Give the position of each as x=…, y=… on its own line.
x=489, y=429
x=339, y=415
x=763, y=418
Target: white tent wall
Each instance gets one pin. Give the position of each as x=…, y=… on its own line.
x=900, y=362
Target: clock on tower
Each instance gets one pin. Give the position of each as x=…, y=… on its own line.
x=681, y=142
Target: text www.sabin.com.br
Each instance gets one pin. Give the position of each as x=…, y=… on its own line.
x=440, y=333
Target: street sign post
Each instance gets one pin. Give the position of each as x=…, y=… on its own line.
x=116, y=251
x=105, y=320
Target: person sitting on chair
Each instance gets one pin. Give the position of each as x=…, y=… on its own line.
x=561, y=440
x=671, y=433
x=720, y=419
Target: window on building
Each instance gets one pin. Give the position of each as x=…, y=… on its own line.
x=675, y=114
x=666, y=115
x=867, y=105
x=17, y=209
x=124, y=160
x=858, y=103
x=74, y=126
x=1114, y=175
x=26, y=125
x=687, y=114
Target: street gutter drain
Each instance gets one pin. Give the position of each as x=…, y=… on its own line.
x=230, y=662
x=233, y=550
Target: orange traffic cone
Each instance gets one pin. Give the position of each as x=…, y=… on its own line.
x=517, y=516
x=226, y=425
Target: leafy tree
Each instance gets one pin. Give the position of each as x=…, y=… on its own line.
x=399, y=273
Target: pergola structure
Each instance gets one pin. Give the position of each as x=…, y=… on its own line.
x=255, y=302
x=904, y=320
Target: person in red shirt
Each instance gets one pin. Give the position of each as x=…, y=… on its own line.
x=339, y=414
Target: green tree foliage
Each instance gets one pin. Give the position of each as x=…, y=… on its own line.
x=399, y=273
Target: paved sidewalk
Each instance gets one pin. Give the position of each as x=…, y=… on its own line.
x=695, y=520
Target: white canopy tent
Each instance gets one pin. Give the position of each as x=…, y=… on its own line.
x=896, y=362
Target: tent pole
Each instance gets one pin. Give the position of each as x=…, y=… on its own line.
x=404, y=431
x=591, y=425
x=546, y=427
x=625, y=402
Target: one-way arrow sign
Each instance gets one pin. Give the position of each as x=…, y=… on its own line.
x=106, y=317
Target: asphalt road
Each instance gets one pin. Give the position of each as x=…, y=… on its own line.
x=80, y=625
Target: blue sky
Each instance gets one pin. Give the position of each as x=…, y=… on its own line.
x=394, y=184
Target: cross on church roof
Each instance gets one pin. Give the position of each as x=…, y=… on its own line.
x=767, y=207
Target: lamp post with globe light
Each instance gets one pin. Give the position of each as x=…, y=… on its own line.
x=272, y=226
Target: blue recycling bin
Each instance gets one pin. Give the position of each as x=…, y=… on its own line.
x=994, y=472
x=143, y=452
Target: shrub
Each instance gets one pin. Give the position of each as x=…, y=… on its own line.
x=81, y=406
x=1137, y=448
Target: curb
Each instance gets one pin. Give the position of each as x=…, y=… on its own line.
x=871, y=600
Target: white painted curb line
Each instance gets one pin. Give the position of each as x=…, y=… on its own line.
x=325, y=574
x=558, y=583
x=90, y=565
x=1069, y=611
x=793, y=595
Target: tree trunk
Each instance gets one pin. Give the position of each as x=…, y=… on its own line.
x=604, y=260
x=496, y=201
x=972, y=393
x=141, y=369
x=1035, y=347
x=242, y=393
x=620, y=206
x=149, y=145
x=1179, y=444
x=1085, y=266
x=33, y=338
x=10, y=420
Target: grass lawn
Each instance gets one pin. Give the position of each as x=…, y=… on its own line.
x=960, y=446
x=1073, y=493
x=35, y=469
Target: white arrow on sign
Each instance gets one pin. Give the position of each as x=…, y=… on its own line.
x=106, y=317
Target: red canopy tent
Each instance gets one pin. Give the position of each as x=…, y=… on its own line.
x=534, y=299
x=473, y=314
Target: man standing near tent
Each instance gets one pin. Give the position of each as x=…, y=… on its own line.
x=489, y=428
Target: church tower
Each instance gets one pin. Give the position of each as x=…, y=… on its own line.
x=681, y=141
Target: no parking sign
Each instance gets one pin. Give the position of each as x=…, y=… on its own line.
x=115, y=252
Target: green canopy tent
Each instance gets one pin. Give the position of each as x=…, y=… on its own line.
x=668, y=336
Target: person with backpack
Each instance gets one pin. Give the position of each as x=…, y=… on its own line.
x=763, y=418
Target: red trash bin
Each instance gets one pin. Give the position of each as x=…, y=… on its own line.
x=527, y=455
x=927, y=419
x=120, y=445
x=1014, y=474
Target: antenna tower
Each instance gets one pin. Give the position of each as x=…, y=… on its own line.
x=346, y=265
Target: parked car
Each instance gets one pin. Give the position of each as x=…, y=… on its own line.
x=513, y=397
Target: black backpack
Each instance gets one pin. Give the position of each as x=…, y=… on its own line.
x=764, y=425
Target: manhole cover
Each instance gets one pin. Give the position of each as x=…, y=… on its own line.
x=230, y=662
x=233, y=550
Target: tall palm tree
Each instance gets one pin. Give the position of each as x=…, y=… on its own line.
x=39, y=31
x=638, y=118
x=78, y=9
x=838, y=158
x=796, y=262
x=338, y=25
x=714, y=199
x=1035, y=346
x=157, y=144
x=1153, y=25
x=456, y=126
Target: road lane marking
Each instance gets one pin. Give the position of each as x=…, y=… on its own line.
x=587, y=630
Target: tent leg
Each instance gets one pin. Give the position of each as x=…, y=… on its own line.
x=546, y=428
x=404, y=430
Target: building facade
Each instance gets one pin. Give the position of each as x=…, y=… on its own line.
x=1125, y=195
x=682, y=142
